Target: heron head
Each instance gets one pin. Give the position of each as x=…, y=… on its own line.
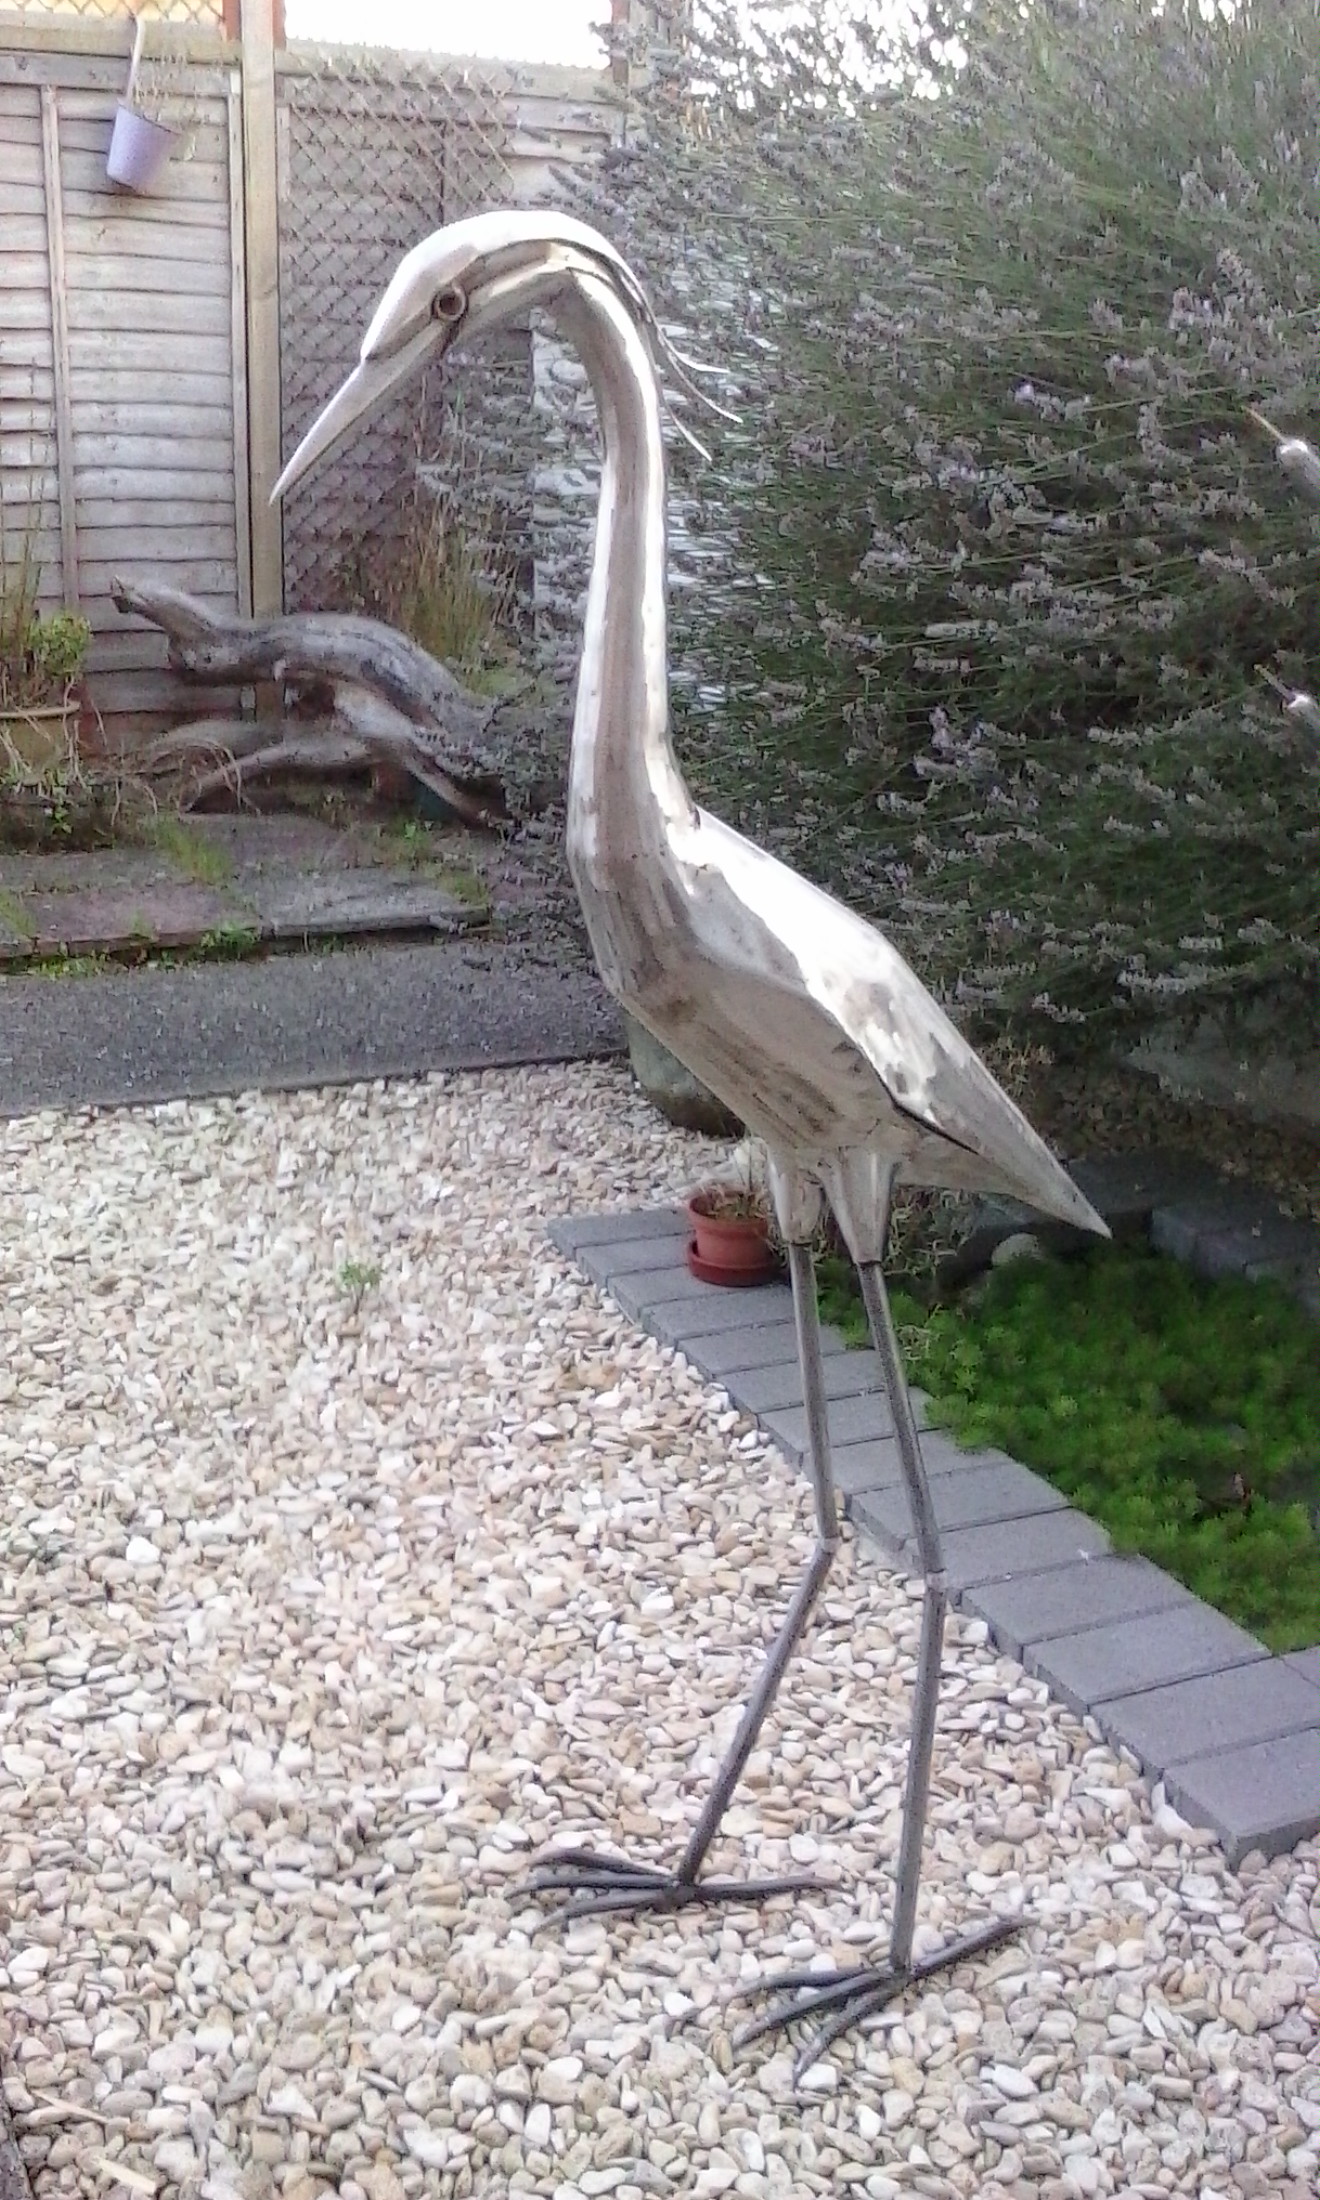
x=462, y=280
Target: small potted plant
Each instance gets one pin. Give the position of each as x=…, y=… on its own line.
x=41, y=659
x=733, y=1227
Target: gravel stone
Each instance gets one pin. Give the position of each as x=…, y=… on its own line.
x=328, y=1603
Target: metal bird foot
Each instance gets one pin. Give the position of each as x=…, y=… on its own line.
x=603, y=1886
x=856, y=1993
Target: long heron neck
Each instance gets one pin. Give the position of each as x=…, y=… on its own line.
x=624, y=775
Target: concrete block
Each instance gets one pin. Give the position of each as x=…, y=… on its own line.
x=762, y=1344
x=1011, y=1548
x=767, y=1389
x=852, y=1421
x=1307, y=1663
x=572, y=1232
x=666, y=1283
x=1217, y=1711
x=875, y=1465
x=687, y=1320
x=634, y=1256
x=1177, y=1644
x=1126, y=1188
x=1087, y=1593
x=985, y=1490
x=1263, y=1795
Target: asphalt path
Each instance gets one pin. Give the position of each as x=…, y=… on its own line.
x=199, y=1029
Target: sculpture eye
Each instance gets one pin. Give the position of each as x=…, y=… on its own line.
x=449, y=304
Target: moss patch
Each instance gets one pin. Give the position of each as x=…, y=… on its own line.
x=1182, y=1415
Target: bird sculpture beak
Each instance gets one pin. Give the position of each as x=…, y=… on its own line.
x=372, y=382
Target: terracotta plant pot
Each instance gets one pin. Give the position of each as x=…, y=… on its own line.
x=730, y=1239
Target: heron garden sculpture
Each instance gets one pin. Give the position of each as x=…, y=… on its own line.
x=800, y=1015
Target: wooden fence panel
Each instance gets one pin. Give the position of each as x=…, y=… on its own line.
x=125, y=321
x=120, y=381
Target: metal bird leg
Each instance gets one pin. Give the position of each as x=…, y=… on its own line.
x=604, y=1884
x=860, y=1992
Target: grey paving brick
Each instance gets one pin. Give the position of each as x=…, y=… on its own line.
x=1307, y=1663
x=983, y=1491
x=668, y=1284
x=1278, y=1248
x=1014, y=1547
x=571, y=1232
x=1170, y=1726
x=1134, y=1654
x=765, y=1389
x=875, y=1465
x=1224, y=1231
x=1126, y=1188
x=1263, y=1795
x=688, y=1320
x=1085, y=1594
x=768, y=1344
x=635, y=1256
x=852, y=1421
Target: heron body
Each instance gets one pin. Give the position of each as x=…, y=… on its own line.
x=802, y=1017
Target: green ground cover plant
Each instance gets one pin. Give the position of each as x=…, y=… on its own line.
x=1183, y=1415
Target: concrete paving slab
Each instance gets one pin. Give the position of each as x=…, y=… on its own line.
x=1177, y=1644
x=1126, y=1188
x=641, y=1255
x=685, y=1322
x=1216, y=1711
x=765, y=1345
x=1305, y=1662
x=146, y=915
x=1087, y=1593
x=573, y=1233
x=852, y=1421
x=875, y=1465
x=1010, y=1549
x=1281, y=1248
x=668, y=1283
x=1264, y=1795
x=328, y=904
x=767, y=1389
x=982, y=1493
x=1224, y=1233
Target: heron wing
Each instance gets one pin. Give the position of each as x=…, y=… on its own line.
x=817, y=979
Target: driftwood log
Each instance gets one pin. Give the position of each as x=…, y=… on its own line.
x=364, y=694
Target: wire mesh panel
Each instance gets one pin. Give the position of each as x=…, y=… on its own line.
x=375, y=151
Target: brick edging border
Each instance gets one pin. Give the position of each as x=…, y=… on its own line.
x=1233, y=1732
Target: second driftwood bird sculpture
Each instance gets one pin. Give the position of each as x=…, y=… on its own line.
x=801, y=1016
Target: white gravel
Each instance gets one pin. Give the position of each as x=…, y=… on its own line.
x=319, y=1623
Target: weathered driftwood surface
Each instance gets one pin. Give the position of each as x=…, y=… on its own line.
x=355, y=732
x=368, y=695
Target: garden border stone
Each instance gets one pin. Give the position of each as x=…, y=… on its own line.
x=1233, y=1732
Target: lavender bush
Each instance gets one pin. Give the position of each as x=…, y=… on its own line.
x=1007, y=569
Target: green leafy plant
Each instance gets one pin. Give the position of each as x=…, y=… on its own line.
x=1183, y=1415
x=229, y=942
x=355, y=1279
x=41, y=654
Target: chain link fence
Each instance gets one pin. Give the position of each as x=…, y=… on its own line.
x=375, y=151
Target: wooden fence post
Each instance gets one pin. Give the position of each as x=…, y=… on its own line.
x=262, y=257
